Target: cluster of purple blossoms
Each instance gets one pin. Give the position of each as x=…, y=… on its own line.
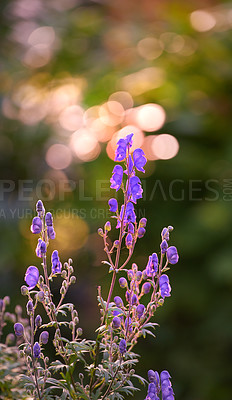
x=159, y=384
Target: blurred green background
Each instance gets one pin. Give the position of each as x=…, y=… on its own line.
x=73, y=74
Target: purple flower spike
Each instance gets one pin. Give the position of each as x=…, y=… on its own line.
x=41, y=248
x=56, y=264
x=116, y=179
x=122, y=346
x=116, y=322
x=36, y=226
x=164, y=246
x=36, y=350
x=113, y=204
x=123, y=144
x=19, y=329
x=32, y=276
x=172, y=255
x=139, y=159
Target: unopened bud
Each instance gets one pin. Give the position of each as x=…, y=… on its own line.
x=6, y=300
x=64, y=274
x=40, y=296
x=1, y=305
x=24, y=290
x=30, y=307
x=10, y=339
x=73, y=279
x=70, y=269
x=116, y=243
x=107, y=226
x=76, y=320
x=62, y=290
x=100, y=232
x=71, y=325
x=38, y=321
x=79, y=331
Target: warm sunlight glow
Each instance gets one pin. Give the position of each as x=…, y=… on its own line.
x=124, y=98
x=85, y=145
x=150, y=48
x=71, y=118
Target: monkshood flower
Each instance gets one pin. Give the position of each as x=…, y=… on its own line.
x=165, y=234
x=135, y=189
x=152, y=265
x=165, y=287
x=31, y=276
x=30, y=307
x=131, y=228
x=122, y=346
x=129, y=215
x=139, y=159
x=49, y=223
x=36, y=226
x=141, y=232
x=56, y=264
x=116, y=179
x=51, y=233
x=41, y=248
x=164, y=246
x=123, y=144
x=172, y=255
x=146, y=287
x=166, y=386
x=38, y=321
x=19, y=329
x=36, y=350
x=40, y=208
x=49, y=219
x=129, y=240
x=122, y=282
x=44, y=336
x=113, y=204
x=153, y=376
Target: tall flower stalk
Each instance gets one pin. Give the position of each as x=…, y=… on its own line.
x=107, y=362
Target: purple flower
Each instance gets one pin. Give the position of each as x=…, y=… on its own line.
x=128, y=322
x=40, y=208
x=30, y=307
x=146, y=287
x=143, y=222
x=19, y=329
x=1, y=305
x=122, y=346
x=129, y=240
x=134, y=299
x=164, y=374
x=153, y=376
x=118, y=301
x=140, y=310
x=139, y=159
x=172, y=255
x=56, y=264
x=31, y=276
x=51, y=233
x=135, y=189
x=36, y=226
x=152, y=265
x=141, y=232
x=138, y=276
x=118, y=313
x=165, y=288
x=116, y=322
x=122, y=282
x=44, y=336
x=164, y=246
x=36, y=350
x=116, y=179
x=165, y=234
x=41, y=248
x=130, y=166
x=129, y=215
x=131, y=228
x=49, y=219
x=113, y=204
x=123, y=144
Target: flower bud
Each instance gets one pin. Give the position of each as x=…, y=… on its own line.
x=134, y=267
x=113, y=204
x=164, y=246
x=9, y=317
x=116, y=243
x=143, y=222
x=100, y=232
x=79, y=331
x=44, y=336
x=10, y=339
x=140, y=310
x=107, y=226
x=130, y=274
x=18, y=310
x=129, y=240
x=62, y=290
x=38, y=321
x=116, y=322
x=40, y=296
x=118, y=301
x=30, y=307
x=141, y=232
x=1, y=305
x=70, y=269
x=40, y=208
x=130, y=228
x=6, y=300
x=122, y=282
x=138, y=276
x=36, y=350
x=19, y=329
x=122, y=346
x=146, y=287
x=134, y=299
x=73, y=279
x=76, y=320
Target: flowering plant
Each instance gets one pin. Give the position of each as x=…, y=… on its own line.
x=102, y=368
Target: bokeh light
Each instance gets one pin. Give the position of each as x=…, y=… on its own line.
x=150, y=48
x=124, y=98
x=138, y=139
x=164, y=146
x=71, y=118
x=85, y=145
x=58, y=156
x=150, y=117
x=202, y=21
